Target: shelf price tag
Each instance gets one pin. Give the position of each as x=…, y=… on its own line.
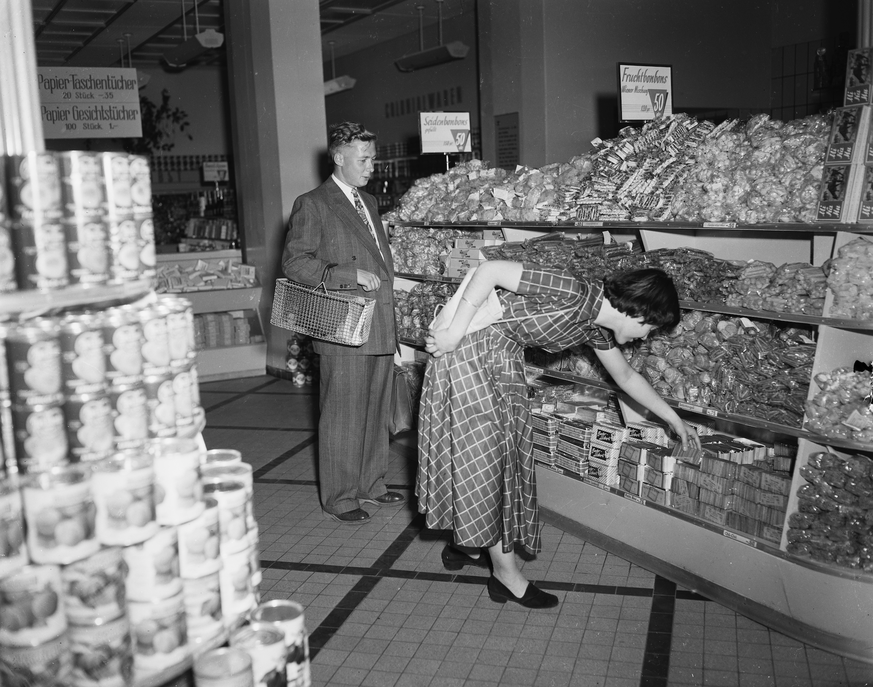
x=719, y=225
x=740, y=539
x=688, y=406
x=632, y=497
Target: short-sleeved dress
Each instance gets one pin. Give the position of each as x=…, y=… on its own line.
x=475, y=469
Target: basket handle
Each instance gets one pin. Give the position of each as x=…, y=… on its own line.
x=324, y=276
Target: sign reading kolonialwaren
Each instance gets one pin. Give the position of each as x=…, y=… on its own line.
x=445, y=132
x=86, y=102
x=645, y=91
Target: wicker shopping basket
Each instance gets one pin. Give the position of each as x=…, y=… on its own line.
x=322, y=314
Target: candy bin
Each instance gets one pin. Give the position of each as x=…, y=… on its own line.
x=123, y=488
x=94, y=591
x=178, y=491
x=288, y=616
x=60, y=516
x=160, y=635
x=102, y=654
x=265, y=643
x=13, y=553
x=153, y=567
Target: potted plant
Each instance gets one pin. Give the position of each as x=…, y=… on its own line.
x=160, y=125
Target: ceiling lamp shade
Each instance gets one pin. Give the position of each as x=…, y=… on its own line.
x=433, y=56
x=337, y=84
x=194, y=47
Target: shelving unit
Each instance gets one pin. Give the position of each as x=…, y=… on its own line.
x=821, y=604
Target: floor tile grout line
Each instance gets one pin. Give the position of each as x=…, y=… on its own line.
x=283, y=457
x=659, y=635
x=236, y=397
x=250, y=428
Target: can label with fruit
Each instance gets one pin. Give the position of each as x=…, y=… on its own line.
x=46, y=665
x=160, y=399
x=90, y=430
x=147, y=258
x=203, y=608
x=178, y=491
x=124, y=250
x=237, y=593
x=288, y=615
x=13, y=554
x=102, y=654
x=116, y=175
x=160, y=635
x=59, y=512
x=33, y=357
x=94, y=588
x=122, y=333
x=140, y=185
x=83, y=358
x=123, y=487
x=199, y=543
x=87, y=250
x=156, y=346
x=182, y=395
x=265, y=643
x=31, y=606
x=153, y=567
x=231, y=497
x=40, y=436
x=7, y=256
x=130, y=415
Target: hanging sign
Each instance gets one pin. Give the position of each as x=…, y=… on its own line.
x=89, y=102
x=645, y=91
x=445, y=132
x=215, y=171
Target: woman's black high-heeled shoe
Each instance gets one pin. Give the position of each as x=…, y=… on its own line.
x=533, y=597
x=453, y=559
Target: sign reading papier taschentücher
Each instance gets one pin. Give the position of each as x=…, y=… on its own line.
x=445, y=132
x=89, y=102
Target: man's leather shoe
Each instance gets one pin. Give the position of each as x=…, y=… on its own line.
x=533, y=597
x=389, y=498
x=358, y=516
x=454, y=559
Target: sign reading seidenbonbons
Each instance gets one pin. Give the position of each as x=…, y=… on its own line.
x=445, y=132
x=645, y=91
x=85, y=102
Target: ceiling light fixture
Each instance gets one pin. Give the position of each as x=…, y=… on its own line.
x=142, y=79
x=433, y=56
x=336, y=83
x=192, y=48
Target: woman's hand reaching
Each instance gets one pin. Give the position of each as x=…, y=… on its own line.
x=687, y=435
x=441, y=341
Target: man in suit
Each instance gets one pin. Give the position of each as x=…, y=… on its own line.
x=335, y=235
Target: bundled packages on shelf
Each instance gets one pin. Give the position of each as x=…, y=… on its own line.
x=842, y=407
x=419, y=250
x=205, y=275
x=850, y=277
x=843, y=176
x=74, y=218
x=416, y=308
x=129, y=565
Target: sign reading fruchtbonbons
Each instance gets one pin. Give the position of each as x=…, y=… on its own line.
x=445, y=132
x=645, y=91
x=89, y=102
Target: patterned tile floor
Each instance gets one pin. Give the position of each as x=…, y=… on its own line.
x=383, y=612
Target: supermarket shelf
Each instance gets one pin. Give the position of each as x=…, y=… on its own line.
x=164, y=676
x=222, y=300
x=772, y=315
x=34, y=302
x=428, y=277
x=247, y=360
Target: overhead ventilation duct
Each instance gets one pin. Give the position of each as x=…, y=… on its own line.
x=432, y=56
x=192, y=48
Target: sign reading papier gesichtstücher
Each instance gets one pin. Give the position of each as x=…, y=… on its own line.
x=445, y=132
x=645, y=91
x=89, y=102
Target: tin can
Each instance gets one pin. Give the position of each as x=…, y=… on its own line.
x=87, y=242
x=31, y=606
x=140, y=185
x=219, y=457
x=83, y=356
x=41, y=255
x=122, y=334
x=255, y=553
x=238, y=472
x=90, y=429
x=13, y=554
x=156, y=345
x=235, y=580
x=8, y=437
x=8, y=281
x=123, y=487
x=160, y=400
x=40, y=436
x=94, y=591
x=153, y=567
x=288, y=615
x=124, y=250
x=147, y=259
x=102, y=654
x=116, y=177
x=130, y=414
x=231, y=497
x=178, y=491
x=199, y=543
x=203, y=608
x=180, y=328
x=183, y=396
x=160, y=634
x=33, y=357
x=34, y=185
x=223, y=668
x=265, y=643
x=59, y=513
x=83, y=192
x=195, y=388
x=46, y=665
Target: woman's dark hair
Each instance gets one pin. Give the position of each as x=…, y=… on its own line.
x=344, y=133
x=647, y=293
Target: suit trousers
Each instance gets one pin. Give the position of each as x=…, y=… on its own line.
x=353, y=436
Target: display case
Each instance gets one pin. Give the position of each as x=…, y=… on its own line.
x=822, y=604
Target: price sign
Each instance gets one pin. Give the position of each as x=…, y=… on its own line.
x=445, y=132
x=83, y=102
x=215, y=171
x=645, y=91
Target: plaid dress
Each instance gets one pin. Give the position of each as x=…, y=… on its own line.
x=475, y=465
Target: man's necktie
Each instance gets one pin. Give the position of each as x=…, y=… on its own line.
x=359, y=206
